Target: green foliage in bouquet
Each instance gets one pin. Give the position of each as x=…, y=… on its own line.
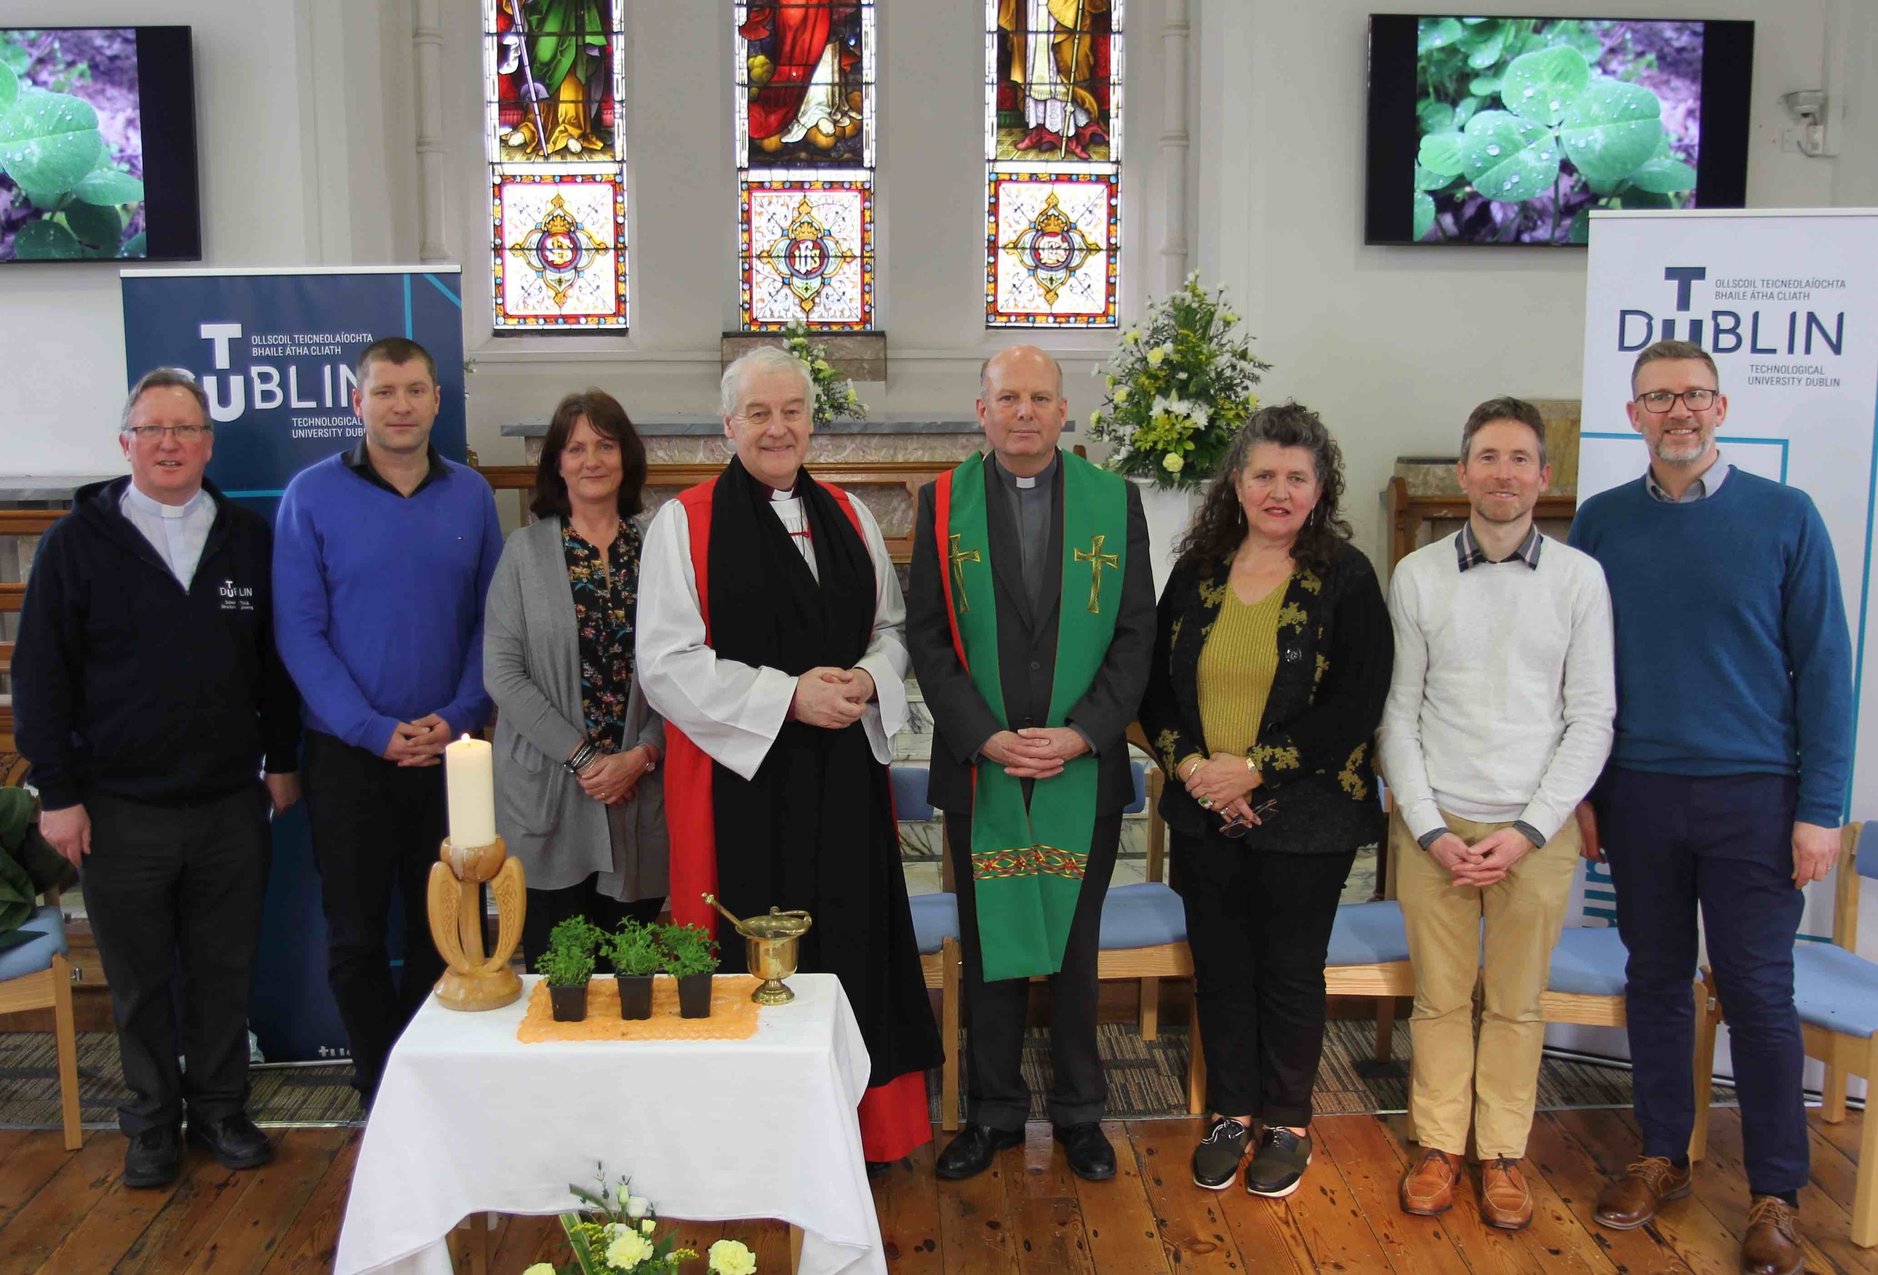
x=1179, y=387
x=834, y=393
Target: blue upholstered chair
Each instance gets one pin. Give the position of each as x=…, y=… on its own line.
x=1144, y=934
x=1836, y=991
x=936, y=929
x=38, y=975
x=1143, y=937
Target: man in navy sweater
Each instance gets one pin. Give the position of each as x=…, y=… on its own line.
x=382, y=558
x=1726, y=783
x=149, y=697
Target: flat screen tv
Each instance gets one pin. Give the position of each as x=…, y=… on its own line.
x=1486, y=130
x=98, y=145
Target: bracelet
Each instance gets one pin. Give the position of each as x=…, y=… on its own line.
x=1197, y=763
x=1250, y=766
x=582, y=758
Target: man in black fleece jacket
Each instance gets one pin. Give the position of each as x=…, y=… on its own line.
x=148, y=698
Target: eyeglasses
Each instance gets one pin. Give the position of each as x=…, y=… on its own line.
x=760, y=417
x=1660, y=401
x=1236, y=828
x=156, y=433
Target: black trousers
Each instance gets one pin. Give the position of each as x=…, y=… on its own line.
x=375, y=824
x=169, y=888
x=1259, y=926
x=995, y=1092
x=548, y=908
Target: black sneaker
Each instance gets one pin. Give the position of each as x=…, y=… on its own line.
x=1279, y=1163
x=1216, y=1159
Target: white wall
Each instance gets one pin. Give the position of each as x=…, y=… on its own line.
x=61, y=325
x=1393, y=345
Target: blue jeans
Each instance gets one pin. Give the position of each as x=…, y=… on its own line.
x=1725, y=843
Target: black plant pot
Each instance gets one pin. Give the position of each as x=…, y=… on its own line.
x=570, y=1003
x=694, y=996
x=635, y=995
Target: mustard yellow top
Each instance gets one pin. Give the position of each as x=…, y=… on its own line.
x=1236, y=667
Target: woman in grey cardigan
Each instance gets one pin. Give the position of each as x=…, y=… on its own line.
x=577, y=748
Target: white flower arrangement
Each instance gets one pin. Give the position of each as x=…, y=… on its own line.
x=1179, y=387
x=834, y=393
x=615, y=1233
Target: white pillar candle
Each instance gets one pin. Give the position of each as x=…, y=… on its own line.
x=469, y=778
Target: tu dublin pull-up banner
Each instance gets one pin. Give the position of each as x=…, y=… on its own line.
x=274, y=349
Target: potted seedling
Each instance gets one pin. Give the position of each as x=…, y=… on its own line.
x=691, y=958
x=567, y=965
x=633, y=951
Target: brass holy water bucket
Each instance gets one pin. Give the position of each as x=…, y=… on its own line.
x=771, y=947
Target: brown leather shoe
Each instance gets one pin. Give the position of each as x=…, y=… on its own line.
x=1428, y=1186
x=1505, y=1201
x=1771, y=1247
x=1630, y=1201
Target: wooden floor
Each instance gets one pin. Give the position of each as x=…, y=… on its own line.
x=66, y=1212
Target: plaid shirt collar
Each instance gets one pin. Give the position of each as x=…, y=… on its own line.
x=1468, y=550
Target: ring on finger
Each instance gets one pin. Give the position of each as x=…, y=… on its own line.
x=1206, y=803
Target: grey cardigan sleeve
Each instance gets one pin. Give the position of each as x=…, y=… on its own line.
x=506, y=662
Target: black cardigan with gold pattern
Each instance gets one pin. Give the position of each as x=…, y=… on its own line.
x=1316, y=740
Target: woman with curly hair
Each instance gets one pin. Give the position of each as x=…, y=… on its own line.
x=1271, y=665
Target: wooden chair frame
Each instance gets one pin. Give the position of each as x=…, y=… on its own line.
x=1847, y=1055
x=51, y=988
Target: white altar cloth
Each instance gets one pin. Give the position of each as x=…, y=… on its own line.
x=470, y=1120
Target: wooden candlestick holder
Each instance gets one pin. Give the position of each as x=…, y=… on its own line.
x=473, y=981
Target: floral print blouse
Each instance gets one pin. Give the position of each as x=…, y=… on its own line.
x=605, y=596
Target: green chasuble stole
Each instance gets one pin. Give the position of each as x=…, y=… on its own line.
x=1027, y=864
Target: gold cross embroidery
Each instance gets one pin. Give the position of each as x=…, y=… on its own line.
x=958, y=558
x=1096, y=559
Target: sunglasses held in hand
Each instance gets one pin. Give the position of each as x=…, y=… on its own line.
x=1239, y=827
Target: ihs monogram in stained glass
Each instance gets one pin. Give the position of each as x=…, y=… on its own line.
x=553, y=80
x=808, y=254
x=1051, y=251
x=558, y=256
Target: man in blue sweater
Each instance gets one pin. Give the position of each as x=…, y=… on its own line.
x=1726, y=784
x=382, y=558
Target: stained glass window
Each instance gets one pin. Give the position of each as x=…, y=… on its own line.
x=554, y=77
x=805, y=109
x=1053, y=151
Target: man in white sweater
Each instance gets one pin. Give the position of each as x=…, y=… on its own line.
x=1497, y=724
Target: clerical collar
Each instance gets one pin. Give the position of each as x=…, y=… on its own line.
x=1022, y=483
x=157, y=509
x=779, y=497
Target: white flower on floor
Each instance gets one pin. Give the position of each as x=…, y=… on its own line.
x=730, y=1257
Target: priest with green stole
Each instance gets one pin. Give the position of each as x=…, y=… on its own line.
x=1030, y=622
